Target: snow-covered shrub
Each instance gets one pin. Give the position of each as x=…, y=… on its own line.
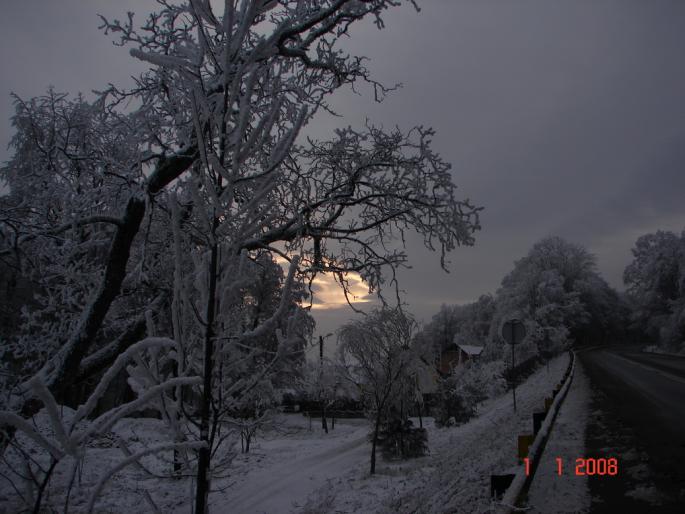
x=478, y=381
x=469, y=384
x=57, y=434
x=449, y=407
x=399, y=439
x=252, y=411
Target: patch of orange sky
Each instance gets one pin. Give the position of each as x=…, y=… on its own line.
x=328, y=294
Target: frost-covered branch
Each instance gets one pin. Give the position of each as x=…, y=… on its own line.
x=194, y=445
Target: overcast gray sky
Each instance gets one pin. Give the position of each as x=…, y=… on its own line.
x=559, y=117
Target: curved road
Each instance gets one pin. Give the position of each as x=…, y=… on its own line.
x=276, y=490
x=638, y=416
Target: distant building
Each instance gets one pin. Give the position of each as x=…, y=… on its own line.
x=430, y=374
x=457, y=354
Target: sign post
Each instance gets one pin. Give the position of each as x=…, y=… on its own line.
x=546, y=353
x=513, y=332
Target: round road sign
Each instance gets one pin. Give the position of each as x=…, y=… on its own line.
x=513, y=331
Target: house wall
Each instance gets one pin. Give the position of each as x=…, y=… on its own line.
x=450, y=359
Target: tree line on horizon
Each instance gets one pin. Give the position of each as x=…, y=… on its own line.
x=557, y=291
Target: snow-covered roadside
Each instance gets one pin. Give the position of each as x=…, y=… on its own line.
x=550, y=492
x=281, y=471
x=270, y=478
x=126, y=491
x=456, y=476
x=293, y=469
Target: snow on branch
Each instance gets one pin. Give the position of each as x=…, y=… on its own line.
x=149, y=343
x=11, y=419
x=107, y=420
x=196, y=445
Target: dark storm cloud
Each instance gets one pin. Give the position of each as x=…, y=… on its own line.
x=559, y=117
x=563, y=117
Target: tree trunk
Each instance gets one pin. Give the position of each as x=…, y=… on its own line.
x=402, y=428
x=373, y=443
x=72, y=353
x=177, y=462
x=65, y=365
x=202, y=489
x=324, y=423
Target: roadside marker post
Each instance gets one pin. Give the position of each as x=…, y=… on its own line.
x=513, y=332
x=525, y=442
x=499, y=484
x=538, y=418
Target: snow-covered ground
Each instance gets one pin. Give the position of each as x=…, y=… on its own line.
x=455, y=477
x=295, y=469
x=127, y=491
x=283, y=468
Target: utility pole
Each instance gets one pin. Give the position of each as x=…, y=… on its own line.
x=324, y=424
x=513, y=332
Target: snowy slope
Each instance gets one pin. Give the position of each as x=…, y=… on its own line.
x=456, y=476
x=295, y=469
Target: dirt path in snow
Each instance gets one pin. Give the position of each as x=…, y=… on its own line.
x=280, y=489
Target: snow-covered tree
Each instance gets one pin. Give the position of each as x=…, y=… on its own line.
x=375, y=354
x=476, y=321
x=550, y=290
x=156, y=203
x=444, y=326
x=655, y=280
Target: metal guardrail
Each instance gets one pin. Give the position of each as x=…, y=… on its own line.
x=516, y=492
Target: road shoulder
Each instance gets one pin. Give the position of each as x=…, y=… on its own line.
x=551, y=492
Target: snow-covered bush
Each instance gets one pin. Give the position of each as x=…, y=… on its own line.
x=480, y=380
x=59, y=434
x=399, y=439
x=469, y=384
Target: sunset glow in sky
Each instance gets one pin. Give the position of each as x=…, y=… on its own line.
x=559, y=118
x=328, y=294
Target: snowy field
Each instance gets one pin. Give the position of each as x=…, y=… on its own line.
x=298, y=469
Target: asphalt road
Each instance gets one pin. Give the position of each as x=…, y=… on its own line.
x=638, y=417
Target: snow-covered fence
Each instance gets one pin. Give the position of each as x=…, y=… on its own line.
x=519, y=486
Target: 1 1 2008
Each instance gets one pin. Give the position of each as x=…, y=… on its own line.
x=585, y=466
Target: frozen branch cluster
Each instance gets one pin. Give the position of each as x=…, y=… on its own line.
x=151, y=225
